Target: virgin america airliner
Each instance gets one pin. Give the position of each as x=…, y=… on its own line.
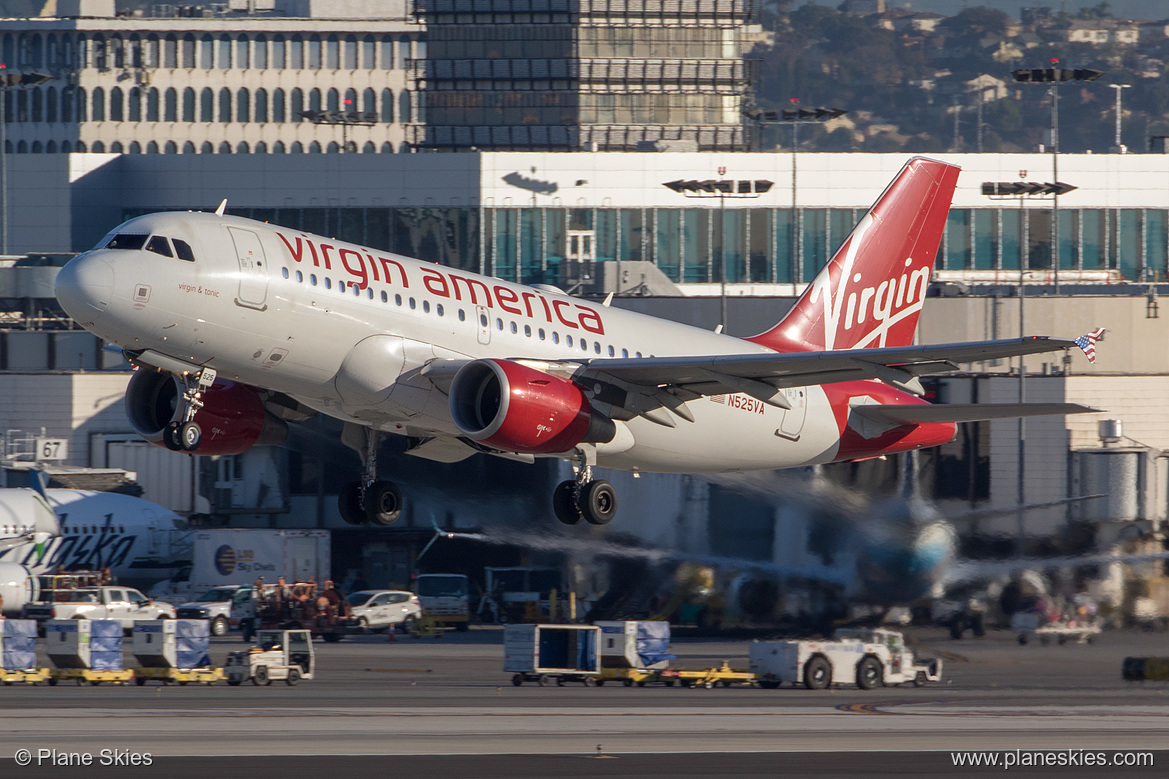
x=238, y=328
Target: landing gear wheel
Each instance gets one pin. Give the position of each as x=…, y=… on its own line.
x=383, y=503
x=172, y=438
x=564, y=503
x=190, y=436
x=598, y=502
x=869, y=673
x=349, y=504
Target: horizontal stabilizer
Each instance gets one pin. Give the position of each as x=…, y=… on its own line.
x=965, y=412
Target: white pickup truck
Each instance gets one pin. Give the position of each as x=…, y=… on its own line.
x=124, y=603
x=866, y=658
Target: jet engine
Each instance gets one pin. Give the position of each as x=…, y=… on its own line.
x=514, y=408
x=18, y=587
x=233, y=418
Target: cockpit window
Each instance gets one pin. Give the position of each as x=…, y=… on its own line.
x=183, y=250
x=159, y=245
x=127, y=241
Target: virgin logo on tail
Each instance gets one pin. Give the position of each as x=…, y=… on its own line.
x=871, y=309
x=872, y=290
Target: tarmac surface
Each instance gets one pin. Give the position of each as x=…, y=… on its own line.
x=446, y=708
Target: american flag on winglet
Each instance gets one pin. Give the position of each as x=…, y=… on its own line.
x=1088, y=343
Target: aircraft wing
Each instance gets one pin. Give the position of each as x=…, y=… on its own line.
x=642, y=386
x=968, y=571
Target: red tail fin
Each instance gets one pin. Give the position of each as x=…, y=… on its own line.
x=871, y=292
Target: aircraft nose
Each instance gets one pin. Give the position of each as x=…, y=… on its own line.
x=84, y=286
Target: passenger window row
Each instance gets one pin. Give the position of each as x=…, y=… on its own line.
x=412, y=303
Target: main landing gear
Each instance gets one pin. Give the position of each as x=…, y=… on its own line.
x=593, y=500
x=370, y=500
x=185, y=436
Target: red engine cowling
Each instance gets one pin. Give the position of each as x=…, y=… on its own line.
x=233, y=418
x=514, y=408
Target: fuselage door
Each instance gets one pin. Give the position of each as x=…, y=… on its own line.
x=483, y=322
x=253, y=276
x=793, y=418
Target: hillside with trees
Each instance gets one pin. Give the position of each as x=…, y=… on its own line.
x=917, y=82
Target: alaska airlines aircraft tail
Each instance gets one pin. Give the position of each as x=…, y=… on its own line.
x=870, y=293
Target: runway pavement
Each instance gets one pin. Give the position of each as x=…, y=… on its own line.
x=415, y=698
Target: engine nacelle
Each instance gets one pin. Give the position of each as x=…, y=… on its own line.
x=233, y=418
x=514, y=408
x=18, y=587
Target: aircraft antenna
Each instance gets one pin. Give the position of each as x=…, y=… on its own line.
x=222, y=207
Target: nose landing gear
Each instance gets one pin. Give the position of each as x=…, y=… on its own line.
x=594, y=501
x=371, y=500
x=185, y=436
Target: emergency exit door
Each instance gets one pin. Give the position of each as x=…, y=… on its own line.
x=253, y=275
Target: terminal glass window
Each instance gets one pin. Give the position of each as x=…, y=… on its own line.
x=1128, y=242
x=1092, y=234
x=504, y=248
x=531, y=246
x=1156, y=242
x=667, y=240
x=729, y=245
x=1011, y=238
x=759, y=254
x=958, y=239
x=815, y=235
x=170, y=52
x=224, y=52
x=260, y=52
x=351, y=52
x=985, y=239
x=785, y=247
x=278, y=52
x=1039, y=239
x=1067, y=239
x=629, y=232
x=554, y=242
x=695, y=244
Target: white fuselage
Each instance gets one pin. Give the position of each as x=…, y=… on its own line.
x=345, y=330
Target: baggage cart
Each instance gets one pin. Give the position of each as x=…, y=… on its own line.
x=552, y=653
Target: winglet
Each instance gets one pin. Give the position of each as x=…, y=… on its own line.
x=608, y=300
x=222, y=207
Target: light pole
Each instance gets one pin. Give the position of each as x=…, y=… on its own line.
x=1022, y=189
x=794, y=117
x=346, y=119
x=10, y=79
x=1119, y=148
x=722, y=189
x=1053, y=76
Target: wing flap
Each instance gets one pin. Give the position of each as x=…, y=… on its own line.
x=965, y=412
